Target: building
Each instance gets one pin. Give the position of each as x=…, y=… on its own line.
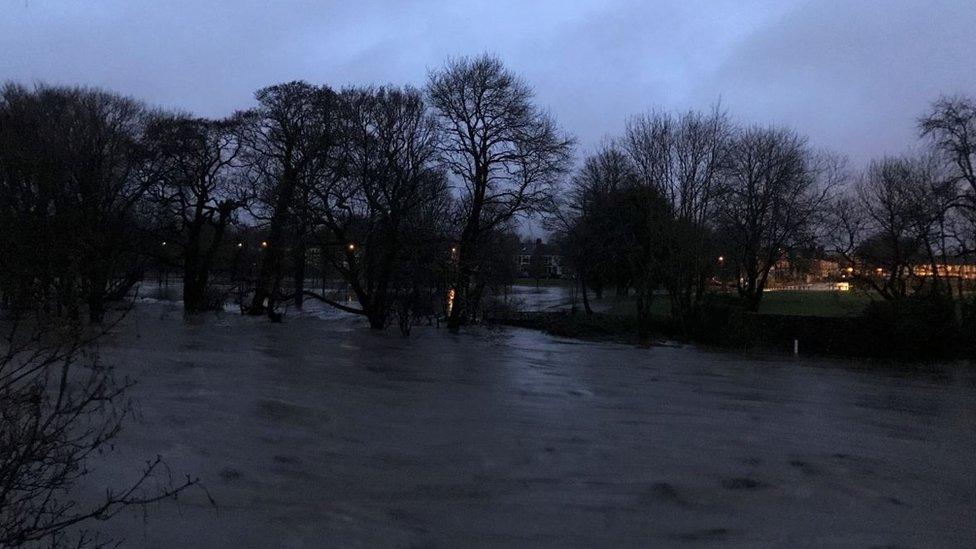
x=806, y=272
x=550, y=258
x=819, y=273
x=954, y=270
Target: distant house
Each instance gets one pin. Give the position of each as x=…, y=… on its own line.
x=957, y=269
x=550, y=258
x=815, y=273
x=809, y=272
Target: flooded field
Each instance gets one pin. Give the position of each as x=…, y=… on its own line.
x=319, y=432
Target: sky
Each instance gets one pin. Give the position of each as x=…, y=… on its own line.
x=852, y=75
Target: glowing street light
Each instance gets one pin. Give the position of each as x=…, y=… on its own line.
x=264, y=243
x=351, y=247
x=240, y=244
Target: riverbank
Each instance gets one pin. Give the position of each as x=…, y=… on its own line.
x=835, y=324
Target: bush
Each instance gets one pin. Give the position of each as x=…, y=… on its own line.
x=921, y=326
x=722, y=320
x=595, y=326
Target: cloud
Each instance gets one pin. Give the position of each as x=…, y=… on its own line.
x=853, y=75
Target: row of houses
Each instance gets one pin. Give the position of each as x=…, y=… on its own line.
x=828, y=271
x=783, y=273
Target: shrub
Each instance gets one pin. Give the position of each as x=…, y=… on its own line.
x=722, y=320
x=595, y=326
x=921, y=326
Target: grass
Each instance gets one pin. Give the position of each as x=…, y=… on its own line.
x=792, y=302
x=787, y=302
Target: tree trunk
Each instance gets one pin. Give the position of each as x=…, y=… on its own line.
x=192, y=292
x=454, y=318
x=271, y=264
x=299, y=271
x=461, y=289
x=586, y=299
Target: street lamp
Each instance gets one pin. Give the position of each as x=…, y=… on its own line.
x=351, y=247
x=721, y=272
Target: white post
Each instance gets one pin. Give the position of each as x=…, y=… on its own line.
x=796, y=347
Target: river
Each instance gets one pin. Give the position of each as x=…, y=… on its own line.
x=319, y=432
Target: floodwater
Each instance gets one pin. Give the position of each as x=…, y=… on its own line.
x=318, y=432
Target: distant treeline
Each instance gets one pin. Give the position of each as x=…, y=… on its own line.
x=410, y=197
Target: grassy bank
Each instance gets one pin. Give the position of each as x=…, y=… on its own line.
x=915, y=329
x=787, y=302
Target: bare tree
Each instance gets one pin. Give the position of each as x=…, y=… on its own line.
x=506, y=153
x=201, y=189
x=60, y=407
x=680, y=157
x=382, y=205
x=951, y=126
x=74, y=172
x=580, y=216
x=773, y=189
x=289, y=139
x=888, y=225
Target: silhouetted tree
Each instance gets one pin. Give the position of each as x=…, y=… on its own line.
x=887, y=225
x=73, y=171
x=384, y=206
x=60, y=407
x=951, y=126
x=200, y=190
x=680, y=157
x=505, y=151
x=593, y=248
x=289, y=140
x=773, y=189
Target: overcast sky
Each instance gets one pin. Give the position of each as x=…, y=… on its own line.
x=853, y=75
